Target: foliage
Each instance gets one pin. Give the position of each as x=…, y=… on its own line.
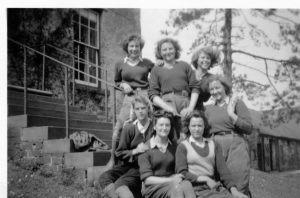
x=36, y=28
x=209, y=24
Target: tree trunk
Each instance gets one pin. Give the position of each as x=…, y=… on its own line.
x=227, y=44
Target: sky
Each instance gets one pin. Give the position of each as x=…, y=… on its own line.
x=154, y=20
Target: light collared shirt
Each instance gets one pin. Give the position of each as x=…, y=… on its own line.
x=191, y=139
x=161, y=148
x=142, y=128
x=127, y=60
x=226, y=101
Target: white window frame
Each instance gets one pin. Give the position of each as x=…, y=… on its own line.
x=88, y=14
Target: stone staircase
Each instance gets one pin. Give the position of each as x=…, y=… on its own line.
x=41, y=134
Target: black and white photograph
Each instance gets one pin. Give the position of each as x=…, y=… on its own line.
x=156, y=100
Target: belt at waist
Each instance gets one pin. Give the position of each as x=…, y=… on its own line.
x=136, y=90
x=179, y=93
x=223, y=133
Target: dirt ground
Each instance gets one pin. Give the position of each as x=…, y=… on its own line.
x=29, y=182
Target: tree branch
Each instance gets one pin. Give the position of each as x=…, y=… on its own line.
x=271, y=83
x=253, y=82
x=260, y=57
x=253, y=69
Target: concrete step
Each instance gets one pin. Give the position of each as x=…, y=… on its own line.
x=83, y=160
x=57, y=146
x=41, y=104
x=50, y=133
x=19, y=110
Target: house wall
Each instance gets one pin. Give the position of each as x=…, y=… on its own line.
x=116, y=24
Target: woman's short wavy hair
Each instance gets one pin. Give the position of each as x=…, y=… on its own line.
x=212, y=53
x=197, y=114
x=132, y=37
x=167, y=40
x=144, y=100
x=164, y=114
x=224, y=81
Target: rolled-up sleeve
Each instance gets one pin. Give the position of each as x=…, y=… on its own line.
x=181, y=165
x=194, y=85
x=118, y=74
x=154, y=84
x=243, y=123
x=145, y=165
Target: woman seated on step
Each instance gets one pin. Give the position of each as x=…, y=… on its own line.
x=123, y=180
x=157, y=165
x=201, y=162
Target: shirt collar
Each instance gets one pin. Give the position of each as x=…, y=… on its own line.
x=227, y=99
x=192, y=140
x=154, y=144
x=142, y=128
x=126, y=59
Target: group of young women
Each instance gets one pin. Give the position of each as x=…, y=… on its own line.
x=182, y=149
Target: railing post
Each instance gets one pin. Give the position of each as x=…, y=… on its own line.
x=73, y=82
x=114, y=106
x=106, y=97
x=67, y=102
x=43, y=77
x=25, y=82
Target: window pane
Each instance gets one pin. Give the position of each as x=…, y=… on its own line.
x=93, y=73
x=83, y=52
x=82, y=67
x=76, y=31
x=93, y=24
x=84, y=34
x=84, y=20
x=92, y=55
x=93, y=38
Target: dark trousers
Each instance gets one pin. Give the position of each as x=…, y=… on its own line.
x=122, y=175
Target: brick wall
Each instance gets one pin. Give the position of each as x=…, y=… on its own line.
x=116, y=24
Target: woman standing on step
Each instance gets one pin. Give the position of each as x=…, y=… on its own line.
x=131, y=75
x=230, y=121
x=203, y=60
x=173, y=86
x=123, y=180
x=157, y=165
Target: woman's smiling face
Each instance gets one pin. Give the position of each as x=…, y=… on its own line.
x=162, y=127
x=168, y=51
x=134, y=49
x=204, y=61
x=217, y=90
x=196, y=127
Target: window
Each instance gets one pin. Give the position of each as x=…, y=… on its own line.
x=86, y=46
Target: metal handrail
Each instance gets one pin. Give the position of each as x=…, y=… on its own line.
x=66, y=66
x=81, y=60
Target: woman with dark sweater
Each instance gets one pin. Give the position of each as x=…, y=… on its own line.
x=123, y=180
x=157, y=165
x=201, y=161
x=131, y=75
x=203, y=60
x=173, y=86
x=230, y=121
